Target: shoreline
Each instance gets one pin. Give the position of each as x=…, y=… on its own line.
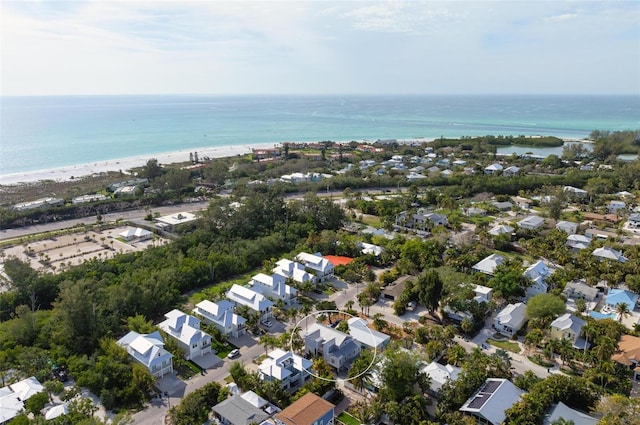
x=71, y=172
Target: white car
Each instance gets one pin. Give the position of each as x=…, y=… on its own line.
x=234, y=353
x=266, y=323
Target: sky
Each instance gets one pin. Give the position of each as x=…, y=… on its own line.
x=52, y=47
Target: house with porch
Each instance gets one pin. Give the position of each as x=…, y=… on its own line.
x=285, y=367
x=569, y=327
x=578, y=242
x=244, y=409
x=274, y=286
x=569, y=227
x=221, y=315
x=489, y=264
x=440, y=374
x=367, y=337
x=257, y=302
x=14, y=396
x=628, y=354
x=148, y=350
x=493, y=169
x=336, y=347
x=185, y=329
x=532, y=222
x=608, y=253
x=537, y=273
x=511, y=319
x=634, y=221
x=320, y=267
x=619, y=296
x=293, y=270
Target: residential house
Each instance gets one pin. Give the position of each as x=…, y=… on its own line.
x=628, y=354
x=489, y=404
x=285, y=367
x=578, y=242
x=619, y=296
x=576, y=290
x=370, y=249
x=185, y=329
x=395, y=289
x=13, y=397
x=575, y=192
x=511, y=171
x=222, y=316
x=634, y=221
x=608, y=253
x=171, y=222
x=307, y=410
x=532, y=222
x=511, y=319
x=569, y=327
x=415, y=176
x=502, y=206
x=440, y=375
x=274, y=287
x=488, y=265
x=538, y=273
x=252, y=299
x=493, y=168
x=501, y=229
x=521, y=202
x=293, y=270
x=459, y=163
x=561, y=412
x=615, y=207
x=474, y=212
x=569, y=227
x=244, y=409
x=483, y=294
x=367, y=337
x=316, y=264
x=336, y=347
x=148, y=350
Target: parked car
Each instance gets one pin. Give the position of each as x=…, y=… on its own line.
x=60, y=374
x=234, y=353
x=266, y=323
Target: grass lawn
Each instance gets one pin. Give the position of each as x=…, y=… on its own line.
x=347, y=419
x=505, y=345
x=220, y=287
x=222, y=350
x=370, y=220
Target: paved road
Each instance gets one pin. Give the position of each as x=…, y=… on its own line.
x=155, y=412
x=124, y=215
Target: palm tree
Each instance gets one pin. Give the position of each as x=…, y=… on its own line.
x=456, y=355
x=623, y=311
x=378, y=322
x=349, y=305
x=565, y=349
x=361, y=371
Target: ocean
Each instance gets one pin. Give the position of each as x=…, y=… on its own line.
x=46, y=132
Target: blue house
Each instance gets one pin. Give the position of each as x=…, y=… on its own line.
x=619, y=296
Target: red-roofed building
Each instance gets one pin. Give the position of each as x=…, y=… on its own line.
x=338, y=260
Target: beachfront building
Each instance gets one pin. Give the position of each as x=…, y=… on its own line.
x=221, y=315
x=321, y=268
x=148, y=350
x=307, y=410
x=257, y=302
x=489, y=404
x=185, y=329
x=511, y=319
x=39, y=203
x=273, y=286
x=285, y=367
x=336, y=347
x=85, y=199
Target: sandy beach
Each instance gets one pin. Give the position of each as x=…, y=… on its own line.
x=125, y=164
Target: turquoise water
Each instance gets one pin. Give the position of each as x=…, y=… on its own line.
x=46, y=132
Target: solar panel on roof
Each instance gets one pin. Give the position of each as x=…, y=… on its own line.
x=477, y=402
x=490, y=387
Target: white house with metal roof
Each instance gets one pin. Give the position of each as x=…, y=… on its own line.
x=537, y=273
x=569, y=327
x=185, y=329
x=562, y=411
x=532, y=222
x=608, y=253
x=319, y=266
x=440, y=375
x=293, y=270
x=578, y=242
x=222, y=316
x=569, y=227
x=511, y=319
x=274, y=286
x=501, y=229
x=367, y=337
x=148, y=350
x=13, y=397
x=250, y=298
x=488, y=265
x=489, y=403
x=285, y=367
x=493, y=168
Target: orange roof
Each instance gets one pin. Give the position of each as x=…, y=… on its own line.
x=305, y=411
x=628, y=351
x=338, y=260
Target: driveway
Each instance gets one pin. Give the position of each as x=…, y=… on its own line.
x=208, y=361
